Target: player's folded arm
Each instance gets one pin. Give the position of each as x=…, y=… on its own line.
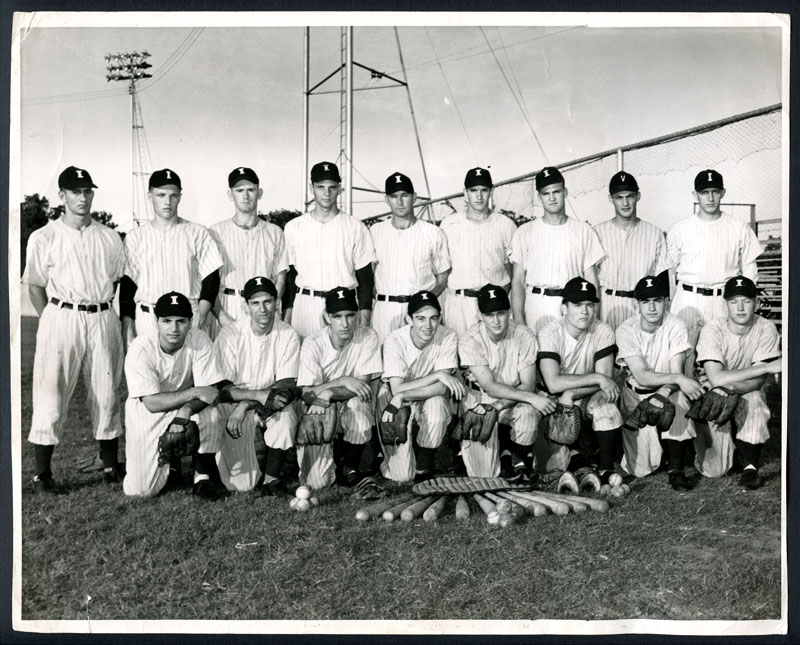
x=418, y=389
x=169, y=401
x=741, y=381
x=558, y=383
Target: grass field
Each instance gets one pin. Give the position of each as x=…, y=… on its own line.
x=712, y=553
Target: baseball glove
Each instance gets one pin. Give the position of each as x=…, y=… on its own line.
x=316, y=429
x=717, y=405
x=656, y=410
x=395, y=432
x=476, y=426
x=264, y=412
x=181, y=438
x=564, y=425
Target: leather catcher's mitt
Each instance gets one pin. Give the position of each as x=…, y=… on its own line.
x=717, y=405
x=181, y=438
x=564, y=425
x=316, y=429
x=395, y=432
x=264, y=412
x=475, y=426
x=656, y=410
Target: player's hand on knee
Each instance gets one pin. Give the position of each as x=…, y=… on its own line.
x=234, y=425
x=455, y=386
x=358, y=387
x=208, y=394
x=543, y=404
x=609, y=388
x=691, y=388
x=315, y=409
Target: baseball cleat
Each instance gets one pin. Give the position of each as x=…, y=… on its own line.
x=273, y=488
x=679, y=482
x=45, y=485
x=204, y=489
x=115, y=475
x=750, y=479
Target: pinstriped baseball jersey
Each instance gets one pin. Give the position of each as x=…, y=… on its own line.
x=630, y=254
x=656, y=348
x=174, y=259
x=321, y=362
x=576, y=356
x=403, y=359
x=327, y=255
x=717, y=343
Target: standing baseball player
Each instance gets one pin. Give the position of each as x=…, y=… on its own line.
x=738, y=353
x=327, y=248
x=652, y=349
x=479, y=240
x=259, y=354
x=173, y=380
x=167, y=253
x=500, y=355
x=249, y=246
x=72, y=268
x=338, y=365
x=412, y=256
x=547, y=252
x=706, y=250
x=420, y=364
x=633, y=248
x=576, y=359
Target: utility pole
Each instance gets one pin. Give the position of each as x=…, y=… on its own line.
x=131, y=67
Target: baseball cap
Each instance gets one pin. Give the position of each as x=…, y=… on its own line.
x=478, y=177
x=423, y=299
x=396, y=182
x=547, y=176
x=650, y=287
x=623, y=181
x=341, y=299
x=579, y=289
x=325, y=170
x=72, y=177
x=739, y=286
x=257, y=285
x=165, y=177
x=708, y=179
x=492, y=298
x=173, y=304
x=242, y=174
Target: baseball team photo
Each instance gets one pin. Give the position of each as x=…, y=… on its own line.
x=399, y=324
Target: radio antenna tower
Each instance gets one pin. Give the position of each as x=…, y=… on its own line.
x=131, y=67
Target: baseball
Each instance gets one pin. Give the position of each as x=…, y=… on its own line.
x=302, y=505
x=625, y=489
x=504, y=506
x=605, y=489
x=293, y=502
x=615, y=479
x=506, y=520
x=493, y=518
x=616, y=491
x=302, y=492
x=314, y=501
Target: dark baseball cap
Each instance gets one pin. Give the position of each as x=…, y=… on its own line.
x=323, y=171
x=492, y=298
x=258, y=284
x=423, y=299
x=165, y=177
x=739, y=286
x=579, y=289
x=72, y=177
x=623, y=181
x=478, y=177
x=396, y=182
x=341, y=299
x=242, y=174
x=650, y=286
x=173, y=304
x=547, y=176
x=708, y=179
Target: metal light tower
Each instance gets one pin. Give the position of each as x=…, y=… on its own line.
x=131, y=67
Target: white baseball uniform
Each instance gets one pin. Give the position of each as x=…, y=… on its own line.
x=631, y=254
x=552, y=255
x=173, y=259
x=408, y=261
x=77, y=269
x=325, y=256
x=578, y=356
x=506, y=359
x=642, y=449
x=714, y=444
x=247, y=253
x=149, y=370
x=479, y=255
x=321, y=362
x=403, y=359
x=707, y=255
x=254, y=362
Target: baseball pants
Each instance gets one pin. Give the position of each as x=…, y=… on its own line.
x=540, y=309
x=459, y=312
x=614, y=310
x=388, y=316
x=695, y=310
x=307, y=314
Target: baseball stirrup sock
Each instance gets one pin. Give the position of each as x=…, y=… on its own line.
x=351, y=456
x=676, y=451
x=272, y=466
x=205, y=463
x=749, y=453
x=43, y=456
x=425, y=459
x=608, y=440
x=108, y=452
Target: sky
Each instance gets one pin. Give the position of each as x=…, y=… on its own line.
x=227, y=92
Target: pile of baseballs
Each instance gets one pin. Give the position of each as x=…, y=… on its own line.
x=303, y=500
x=615, y=487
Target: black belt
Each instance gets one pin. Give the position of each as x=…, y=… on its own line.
x=546, y=291
x=640, y=390
x=621, y=294
x=703, y=291
x=311, y=292
x=470, y=293
x=91, y=309
x=231, y=292
x=146, y=308
x=384, y=298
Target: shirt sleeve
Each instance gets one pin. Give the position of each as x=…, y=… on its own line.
x=440, y=259
x=678, y=338
x=710, y=345
x=394, y=360
x=549, y=343
x=508, y=235
x=36, y=269
x=132, y=260
x=660, y=262
x=769, y=344
x=140, y=373
x=369, y=357
x=288, y=362
x=604, y=343
x=208, y=257
x=447, y=358
x=671, y=250
x=528, y=348
x=750, y=249
x=205, y=369
x=226, y=350
x=363, y=249
x=470, y=351
x=593, y=250
x=627, y=343
x=288, y=235
x=310, y=369
x=517, y=250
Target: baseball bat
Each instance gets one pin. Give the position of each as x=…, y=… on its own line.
x=433, y=512
x=554, y=506
x=462, y=508
x=410, y=513
x=364, y=514
x=506, y=506
x=595, y=504
x=489, y=509
x=576, y=505
x=534, y=508
x=393, y=513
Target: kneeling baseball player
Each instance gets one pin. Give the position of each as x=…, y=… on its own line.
x=500, y=355
x=420, y=361
x=338, y=365
x=738, y=353
x=652, y=349
x=576, y=359
x=259, y=353
x=173, y=388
